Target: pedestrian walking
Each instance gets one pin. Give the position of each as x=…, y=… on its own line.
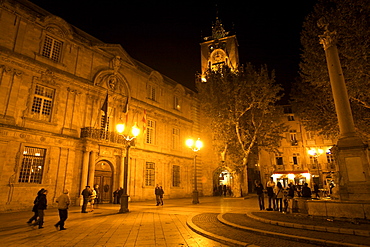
x=86, y=193
x=42, y=204
x=158, y=191
x=261, y=198
x=270, y=193
x=63, y=203
x=34, y=208
x=278, y=190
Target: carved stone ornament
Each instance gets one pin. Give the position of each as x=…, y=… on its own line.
x=328, y=39
x=112, y=82
x=48, y=77
x=116, y=62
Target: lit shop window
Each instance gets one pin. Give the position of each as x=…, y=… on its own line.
x=32, y=165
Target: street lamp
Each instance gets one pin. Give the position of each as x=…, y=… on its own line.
x=195, y=146
x=128, y=140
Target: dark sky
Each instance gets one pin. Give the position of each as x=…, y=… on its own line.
x=165, y=35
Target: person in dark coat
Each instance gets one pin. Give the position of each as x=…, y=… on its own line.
x=261, y=197
x=119, y=195
x=34, y=208
x=306, y=191
x=42, y=204
x=86, y=193
x=291, y=190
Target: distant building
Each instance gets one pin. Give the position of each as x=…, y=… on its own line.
x=303, y=157
x=62, y=93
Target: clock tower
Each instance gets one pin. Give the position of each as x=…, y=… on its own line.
x=219, y=49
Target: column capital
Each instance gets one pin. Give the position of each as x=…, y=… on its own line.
x=328, y=39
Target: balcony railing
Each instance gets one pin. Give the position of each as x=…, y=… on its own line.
x=102, y=135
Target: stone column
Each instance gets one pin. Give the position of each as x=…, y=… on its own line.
x=350, y=151
x=92, y=169
x=121, y=168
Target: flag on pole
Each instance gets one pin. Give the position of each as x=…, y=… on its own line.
x=104, y=108
x=125, y=106
x=144, y=121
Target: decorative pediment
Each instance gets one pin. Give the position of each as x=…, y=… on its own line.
x=113, y=81
x=179, y=89
x=119, y=55
x=58, y=26
x=155, y=78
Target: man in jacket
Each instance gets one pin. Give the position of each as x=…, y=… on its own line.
x=63, y=203
x=86, y=193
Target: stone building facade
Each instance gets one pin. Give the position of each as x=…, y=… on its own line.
x=303, y=157
x=62, y=92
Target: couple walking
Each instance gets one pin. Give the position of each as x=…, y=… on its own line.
x=40, y=204
x=159, y=194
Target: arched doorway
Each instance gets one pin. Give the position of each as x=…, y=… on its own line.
x=222, y=182
x=103, y=178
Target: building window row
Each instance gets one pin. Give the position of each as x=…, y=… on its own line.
x=150, y=175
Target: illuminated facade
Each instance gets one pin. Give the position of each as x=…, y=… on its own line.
x=303, y=157
x=62, y=93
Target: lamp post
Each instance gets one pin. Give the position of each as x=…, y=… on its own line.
x=315, y=153
x=128, y=140
x=195, y=146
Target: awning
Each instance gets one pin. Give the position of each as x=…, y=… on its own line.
x=290, y=172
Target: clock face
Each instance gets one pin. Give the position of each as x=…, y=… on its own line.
x=218, y=56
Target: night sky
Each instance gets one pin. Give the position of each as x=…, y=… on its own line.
x=165, y=35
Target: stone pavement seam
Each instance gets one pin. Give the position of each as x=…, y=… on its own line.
x=356, y=232
x=228, y=241
x=285, y=236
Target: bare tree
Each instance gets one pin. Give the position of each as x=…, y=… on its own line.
x=240, y=107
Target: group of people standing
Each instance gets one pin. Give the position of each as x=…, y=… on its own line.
x=90, y=195
x=40, y=204
x=278, y=196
